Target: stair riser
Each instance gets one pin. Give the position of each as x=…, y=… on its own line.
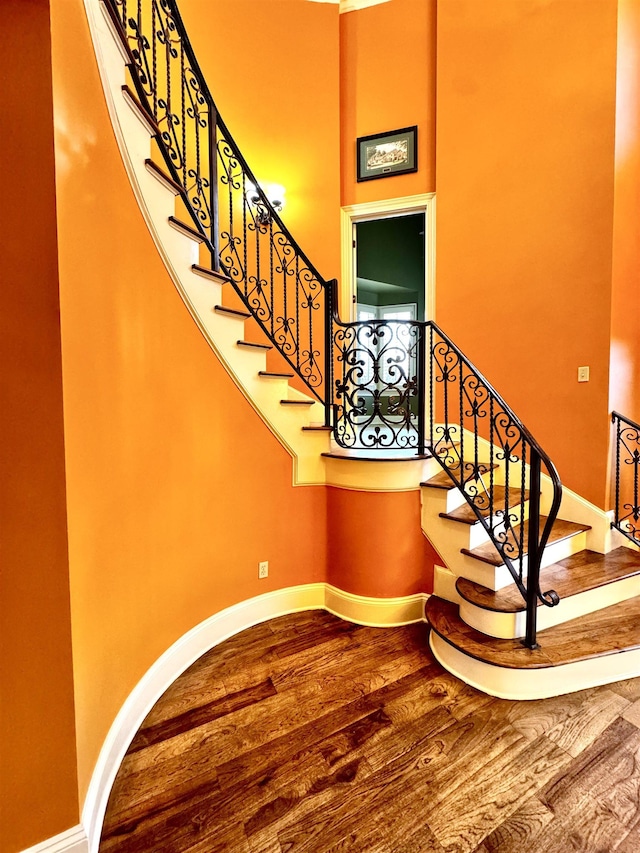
x=535, y=683
x=498, y=577
x=478, y=535
x=511, y=625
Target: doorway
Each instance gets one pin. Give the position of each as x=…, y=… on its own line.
x=388, y=259
x=390, y=267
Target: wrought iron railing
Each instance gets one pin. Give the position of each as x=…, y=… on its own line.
x=386, y=385
x=247, y=239
x=406, y=385
x=627, y=474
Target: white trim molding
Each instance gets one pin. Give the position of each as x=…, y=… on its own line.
x=421, y=203
x=351, y=5
x=74, y=840
x=363, y=610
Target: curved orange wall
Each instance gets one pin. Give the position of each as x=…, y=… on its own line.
x=176, y=489
x=387, y=81
x=525, y=135
x=375, y=543
x=38, y=785
x=625, y=315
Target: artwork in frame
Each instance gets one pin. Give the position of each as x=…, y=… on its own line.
x=384, y=154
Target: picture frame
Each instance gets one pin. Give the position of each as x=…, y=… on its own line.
x=382, y=155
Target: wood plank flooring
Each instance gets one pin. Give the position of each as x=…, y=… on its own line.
x=307, y=734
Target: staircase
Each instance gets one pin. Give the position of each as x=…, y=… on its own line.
x=478, y=616
x=368, y=402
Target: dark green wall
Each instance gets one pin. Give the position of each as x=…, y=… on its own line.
x=392, y=250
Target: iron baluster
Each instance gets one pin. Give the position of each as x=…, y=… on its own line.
x=534, y=555
x=627, y=492
x=421, y=379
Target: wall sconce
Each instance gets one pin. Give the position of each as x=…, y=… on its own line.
x=275, y=194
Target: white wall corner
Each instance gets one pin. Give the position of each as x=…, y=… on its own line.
x=74, y=840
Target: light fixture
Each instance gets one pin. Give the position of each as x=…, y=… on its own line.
x=275, y=196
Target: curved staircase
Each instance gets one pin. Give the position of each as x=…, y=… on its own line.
x=436, y=425
x=478, y=616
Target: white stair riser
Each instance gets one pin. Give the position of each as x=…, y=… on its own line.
x=535, y=683
x=498, y=577
x=511, y=625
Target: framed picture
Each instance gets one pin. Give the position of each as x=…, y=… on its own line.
x=384, y=154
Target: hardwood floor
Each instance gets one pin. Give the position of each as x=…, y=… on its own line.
x=307, y=734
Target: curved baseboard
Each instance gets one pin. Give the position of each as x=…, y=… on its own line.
x=376, y=612
x=74, y=840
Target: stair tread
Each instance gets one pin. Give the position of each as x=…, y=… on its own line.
x=317, y=428
x=466, y=515
x=297, y=402
x=253, y=345
x=205, y=272
x=187, y=230
x=232, y=312
x=611, y=630
x=443, y=481
x=578, y=573
x=273, y=375
x=366, y=456
x=162, y=175
x=488, y=553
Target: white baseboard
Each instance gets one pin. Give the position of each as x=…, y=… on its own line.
x=74, y=840
x=378, y=612
x=375, y=612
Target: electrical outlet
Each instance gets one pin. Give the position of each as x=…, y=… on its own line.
x=263, y=569
x=583, y=374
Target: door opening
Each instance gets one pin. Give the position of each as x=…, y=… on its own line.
x=389, y=261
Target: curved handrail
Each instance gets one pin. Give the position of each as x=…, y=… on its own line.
x=244, y=233
x=392, y=383
x=388, y=373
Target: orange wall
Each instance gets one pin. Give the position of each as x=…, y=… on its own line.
x=175, y=488
x=38, y=788
x=625, y=315
x=525, y=136
x=273, y=71
x=375, y=543
x=387, y=81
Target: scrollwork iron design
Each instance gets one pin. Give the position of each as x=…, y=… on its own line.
x=376, y=385
x=386, y=385
x=627, y=468
x=246, y=237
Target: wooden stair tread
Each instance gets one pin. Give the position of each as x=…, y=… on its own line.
x=577, y=573
x=252, y=345
x=205, y=272
x=611, y=630
x=185, y=229
x=297, y=402
x=231, y=312
x=272, y=375
x=318, y=428
x=144, y=115
x=164, y=177
x=361, y=456
x=488, y=553
x=443, y=481
x=465, y=514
